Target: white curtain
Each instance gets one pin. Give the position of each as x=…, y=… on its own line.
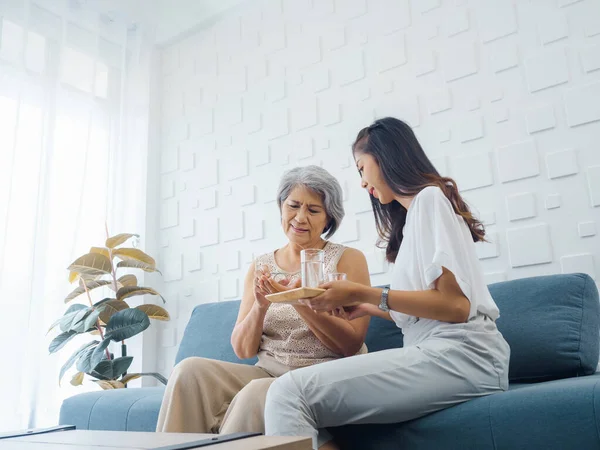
x=73, y=152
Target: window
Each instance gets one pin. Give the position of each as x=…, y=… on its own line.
x=82, y=72
x=13, y=47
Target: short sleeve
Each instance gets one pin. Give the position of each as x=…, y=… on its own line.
x=441, y=238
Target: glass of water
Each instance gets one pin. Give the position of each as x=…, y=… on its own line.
x=336, y=276
x=312, y=267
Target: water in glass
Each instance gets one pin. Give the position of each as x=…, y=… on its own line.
x=312, y=267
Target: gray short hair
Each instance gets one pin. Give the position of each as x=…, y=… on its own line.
x=324, y=184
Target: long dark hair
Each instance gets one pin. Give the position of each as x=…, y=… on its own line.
x=406, y=170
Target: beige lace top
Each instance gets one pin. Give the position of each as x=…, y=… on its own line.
x=286, y=337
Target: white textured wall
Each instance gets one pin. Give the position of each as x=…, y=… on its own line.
x=504, y=95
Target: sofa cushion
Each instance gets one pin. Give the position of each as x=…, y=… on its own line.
x=383, y=335
x=131, y=409
x=555, y=415
x=551, y=324
x=208, y=333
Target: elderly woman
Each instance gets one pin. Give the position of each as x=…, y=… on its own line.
x=210, y=396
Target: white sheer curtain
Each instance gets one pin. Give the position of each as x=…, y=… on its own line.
x=73, y=126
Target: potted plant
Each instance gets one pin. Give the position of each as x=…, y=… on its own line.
x=110, y=318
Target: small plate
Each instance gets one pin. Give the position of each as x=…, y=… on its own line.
x=292, y=296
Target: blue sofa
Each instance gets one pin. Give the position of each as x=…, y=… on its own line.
x=552, y=324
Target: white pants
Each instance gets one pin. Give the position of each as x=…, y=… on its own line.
x=450, y=365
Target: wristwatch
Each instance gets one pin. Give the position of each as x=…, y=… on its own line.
x=383, y=304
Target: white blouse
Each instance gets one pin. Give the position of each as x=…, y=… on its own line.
x=436, y=237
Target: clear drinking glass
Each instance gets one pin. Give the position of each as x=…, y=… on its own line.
x=312, y=267
x=336, y=276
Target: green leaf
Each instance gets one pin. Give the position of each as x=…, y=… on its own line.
x=97, y=375
x=73, y=358
x=104, y=370
x=54, y=324
x=114, y=241
x=71, y=310
x=75, y=307
x=68, y=320
x=120, y=365
x=138, y=265
x=83, y=363
x=99, y=353
x=110, y=308
x=61, y=340
x=91, y=264
x=110, y=370
x=81, y=290
x=126, y=324
x=79, y=320
x=90, y=321
x=130, y=291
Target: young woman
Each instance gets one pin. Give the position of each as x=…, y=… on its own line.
x=452, y=350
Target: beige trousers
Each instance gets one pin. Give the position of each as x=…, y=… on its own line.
x=210, y=396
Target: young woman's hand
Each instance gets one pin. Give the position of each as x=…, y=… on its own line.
x=337, y=294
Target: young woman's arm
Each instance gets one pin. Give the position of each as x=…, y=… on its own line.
x=445, y=302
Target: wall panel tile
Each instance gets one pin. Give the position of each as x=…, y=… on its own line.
x=529, y=246
x=517, y=161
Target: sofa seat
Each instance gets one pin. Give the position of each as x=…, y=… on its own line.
x=521, y=418
x=518, y=419
x=131, y=409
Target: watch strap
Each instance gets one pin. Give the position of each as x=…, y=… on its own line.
x=383, y=303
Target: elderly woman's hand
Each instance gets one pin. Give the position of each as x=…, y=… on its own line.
x=264, y=284
x=261, y=289
x=272, y=286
